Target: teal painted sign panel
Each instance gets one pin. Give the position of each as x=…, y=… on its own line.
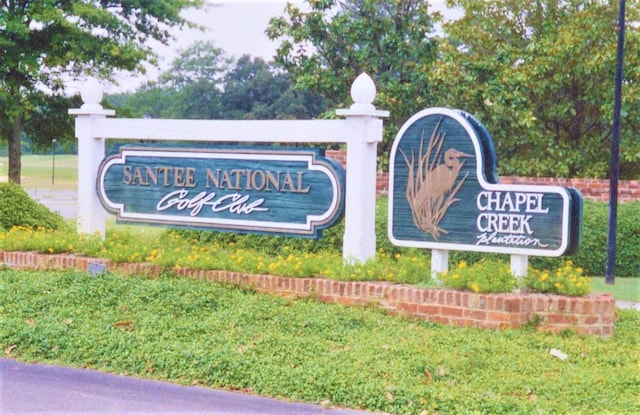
x=444, y=194
x=269, y=190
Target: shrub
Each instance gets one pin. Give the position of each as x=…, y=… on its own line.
x=566, y=280
x=486, y=276
x=331, y=240
x=592, y=255
x=18, y=209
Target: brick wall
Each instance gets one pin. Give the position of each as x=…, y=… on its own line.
x=595, y=189
x=593, y=315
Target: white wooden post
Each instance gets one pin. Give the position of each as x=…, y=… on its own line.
x=91, y=214
x=519, y=265
x=360, y=202
x=439, y=261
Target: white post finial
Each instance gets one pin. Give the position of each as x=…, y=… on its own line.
x=91, y=95
x=363, y=92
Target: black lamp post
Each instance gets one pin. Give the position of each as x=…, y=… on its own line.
x=53, y=160
x=615, y=152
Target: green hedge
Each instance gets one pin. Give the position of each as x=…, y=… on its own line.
x=592, y=255
x=18, y=209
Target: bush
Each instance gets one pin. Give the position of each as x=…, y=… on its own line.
x=567, y=280
x=331, y=240
x=487, y=276
x=592, y=255
x=18, y=209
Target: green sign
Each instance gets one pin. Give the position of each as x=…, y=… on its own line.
x=444, y=194
x=270, y=190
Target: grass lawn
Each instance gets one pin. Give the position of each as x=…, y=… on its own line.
x=624, y=289
x=37, y=172
x=193, y=332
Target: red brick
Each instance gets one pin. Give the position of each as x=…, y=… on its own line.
x=475, y=314
x=555, y=318
x=451, y=311
x=410, y=307
x=429, y=309
x=464, y=299
x=590, y=320
x=499, y=317
x=348, y=289
x=562, y=304
x=357, y=289
x=513, y=304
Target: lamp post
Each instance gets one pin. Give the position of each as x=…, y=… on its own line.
x=53, y=160
x=615, y=151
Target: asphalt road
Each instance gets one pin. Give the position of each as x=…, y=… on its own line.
x=65, y=202
x=48, y=390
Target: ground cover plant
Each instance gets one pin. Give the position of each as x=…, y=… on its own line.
x=194, y=332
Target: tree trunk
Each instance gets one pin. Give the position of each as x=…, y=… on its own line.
x=15, y=151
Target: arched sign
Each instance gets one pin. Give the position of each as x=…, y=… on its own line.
x=444, y=194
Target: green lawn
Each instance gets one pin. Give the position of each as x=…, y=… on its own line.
x=37, y=172
x=625, y=289
x=192, y=332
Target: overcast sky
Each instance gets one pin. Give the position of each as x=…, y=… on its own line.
x=235, y=26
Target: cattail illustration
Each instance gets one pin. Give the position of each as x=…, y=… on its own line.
x=433, y=182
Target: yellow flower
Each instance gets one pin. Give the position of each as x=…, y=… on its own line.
x=462, y=264
x=544, y=276
x=474, y=287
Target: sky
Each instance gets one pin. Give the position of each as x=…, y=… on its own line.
x=235, y=26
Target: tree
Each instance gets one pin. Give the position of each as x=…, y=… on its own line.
x=49, y=120
x=325, y=48
x=42, y=43
x=253, y=89
x=540, y=75
x=203, y=83
x=250, y=89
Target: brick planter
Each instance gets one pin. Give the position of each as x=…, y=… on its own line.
x=593, y=314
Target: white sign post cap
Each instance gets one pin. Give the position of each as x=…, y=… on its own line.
x=91, y=94
x=363, y=92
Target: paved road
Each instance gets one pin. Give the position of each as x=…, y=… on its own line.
x=52, y=390
x=65, y=202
